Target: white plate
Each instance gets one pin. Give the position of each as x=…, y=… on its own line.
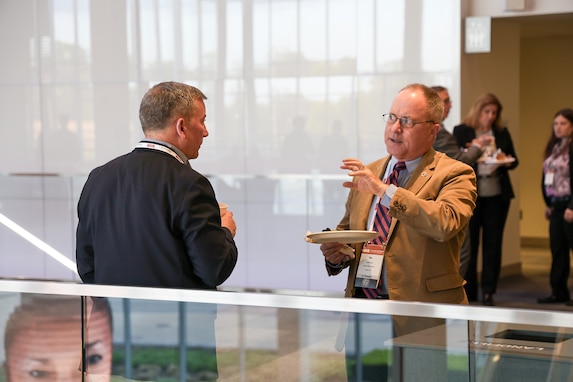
x=341, y=236
x=498, y=161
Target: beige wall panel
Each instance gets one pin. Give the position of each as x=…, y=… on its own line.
x=546, y=86
x=498, y=72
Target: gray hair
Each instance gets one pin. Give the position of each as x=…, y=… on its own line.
x=166, y=101
x=433, y=100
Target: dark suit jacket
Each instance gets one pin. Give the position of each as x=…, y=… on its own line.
x=464, y=134
x=446, y=143
x=145, y=219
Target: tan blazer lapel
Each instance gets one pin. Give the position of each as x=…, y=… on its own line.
x=422, y=173
x=418, y=179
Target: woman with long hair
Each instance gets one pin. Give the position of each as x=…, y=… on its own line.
x=494, y=193
x=556, y=186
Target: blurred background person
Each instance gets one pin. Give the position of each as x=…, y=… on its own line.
x=557, y=185
x=332, y=147
x=297, y=157
x=43, y=341
x=446, y=143
x=494, y=193
x=297, y=152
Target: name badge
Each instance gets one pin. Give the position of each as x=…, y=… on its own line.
x=549, y=176
x=370, y=266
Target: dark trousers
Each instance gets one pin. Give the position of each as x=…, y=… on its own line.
x=488, y=220
x=560, y=241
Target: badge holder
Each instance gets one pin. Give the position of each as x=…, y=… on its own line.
x=370, y=266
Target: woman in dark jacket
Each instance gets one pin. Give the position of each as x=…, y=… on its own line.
x=494, y=192
x=556, y=186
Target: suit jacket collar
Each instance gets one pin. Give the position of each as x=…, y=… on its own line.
x=419, y=176
x=423, y=172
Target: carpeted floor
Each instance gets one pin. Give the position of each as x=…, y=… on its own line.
x=522, y=291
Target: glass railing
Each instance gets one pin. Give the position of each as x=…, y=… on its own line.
x=62, y=332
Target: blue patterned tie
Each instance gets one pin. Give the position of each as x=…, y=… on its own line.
x=382, y=222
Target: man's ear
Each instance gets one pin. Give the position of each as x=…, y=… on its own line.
x=436, y=129
x=180, y=126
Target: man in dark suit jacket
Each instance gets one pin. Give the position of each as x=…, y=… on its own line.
x=147, y=218
x=446, y=143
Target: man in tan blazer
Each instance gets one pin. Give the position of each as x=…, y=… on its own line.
x=429, y=209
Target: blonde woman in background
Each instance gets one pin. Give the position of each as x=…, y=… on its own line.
x=557, y=186
x=494, y=192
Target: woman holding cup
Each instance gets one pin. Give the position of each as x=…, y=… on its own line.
x=494, y=193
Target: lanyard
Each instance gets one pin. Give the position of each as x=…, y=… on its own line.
x=153, y=146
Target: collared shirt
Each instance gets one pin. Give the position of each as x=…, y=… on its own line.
x=403, y=178
x=173, y=148
x=558, y=165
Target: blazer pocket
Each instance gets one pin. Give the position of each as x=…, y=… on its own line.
x=444, y=282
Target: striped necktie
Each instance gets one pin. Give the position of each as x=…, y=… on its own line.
x=382, y=222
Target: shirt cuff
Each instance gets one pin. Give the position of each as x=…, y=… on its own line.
x=335, y=266
x=388, y=195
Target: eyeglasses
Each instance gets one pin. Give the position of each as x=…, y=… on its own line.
x=404, y=121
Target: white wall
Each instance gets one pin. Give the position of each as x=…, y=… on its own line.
x=498, y=72
x=497, y=8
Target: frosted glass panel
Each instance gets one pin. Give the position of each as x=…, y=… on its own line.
x=293, y=87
